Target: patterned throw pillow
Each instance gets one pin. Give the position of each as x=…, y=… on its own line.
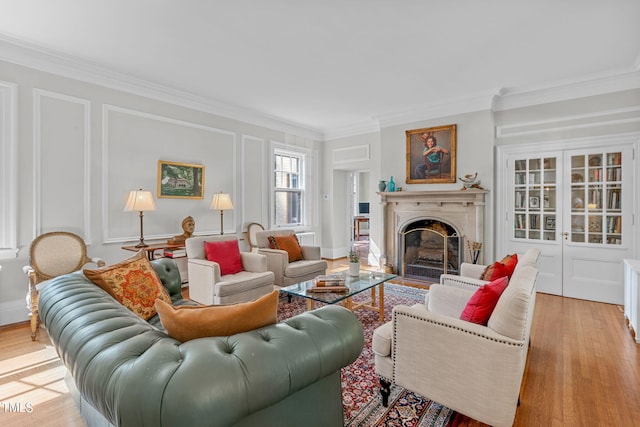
x=287, y=243
x=133, y=282
x=186, y=323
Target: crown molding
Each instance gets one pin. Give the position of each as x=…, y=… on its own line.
x=369, y=126
x=46, y=60
x=617, y=81
x=453, y=106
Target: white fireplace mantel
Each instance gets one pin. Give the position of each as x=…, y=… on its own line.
x=462, y=209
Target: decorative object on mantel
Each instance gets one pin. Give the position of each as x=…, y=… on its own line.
x=222, y=202
x=382, y=185
x=431, y=155
x=392, y=185
x=141, y=201
x=474, y=250
x=188, y=226
x=470, y=181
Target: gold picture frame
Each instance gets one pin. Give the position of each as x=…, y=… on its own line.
x=180, y=180
x=431, y=155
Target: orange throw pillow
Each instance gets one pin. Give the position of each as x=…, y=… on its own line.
x=186, y=323
x=287, y=243
x=133, y=282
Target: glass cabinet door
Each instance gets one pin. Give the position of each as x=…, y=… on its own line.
x=535, y=198
x=596, y=192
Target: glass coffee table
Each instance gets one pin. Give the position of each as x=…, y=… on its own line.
x=356, y=284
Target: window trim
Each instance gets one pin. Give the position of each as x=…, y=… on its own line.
x=303, y=155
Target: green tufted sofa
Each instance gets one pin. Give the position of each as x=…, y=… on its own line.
x=125, y=371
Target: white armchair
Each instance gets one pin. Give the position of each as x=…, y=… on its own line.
x=208, y=286
x=473, y=369
x=288, y=273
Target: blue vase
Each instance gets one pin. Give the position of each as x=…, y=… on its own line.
x=392, y=185
x=382, y=185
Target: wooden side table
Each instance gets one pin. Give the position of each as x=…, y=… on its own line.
x=150, y=250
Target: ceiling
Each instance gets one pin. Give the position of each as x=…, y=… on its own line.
x=329, y=65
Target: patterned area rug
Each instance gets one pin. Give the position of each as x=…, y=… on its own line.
x=360, y=395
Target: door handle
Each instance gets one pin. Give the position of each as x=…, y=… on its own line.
x=566, y=235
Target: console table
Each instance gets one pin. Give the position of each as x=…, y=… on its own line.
x=151, y=249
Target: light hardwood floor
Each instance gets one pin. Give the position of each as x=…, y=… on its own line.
x=583, y=370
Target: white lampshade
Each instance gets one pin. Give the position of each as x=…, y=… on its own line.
x=140, y=200
x=221, y=202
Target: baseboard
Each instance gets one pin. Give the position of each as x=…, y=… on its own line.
x=13, y=312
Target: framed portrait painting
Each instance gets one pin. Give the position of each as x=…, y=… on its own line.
x=180, y=180
x=431, y=155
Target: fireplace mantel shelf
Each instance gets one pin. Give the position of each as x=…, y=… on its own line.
x=438, y=197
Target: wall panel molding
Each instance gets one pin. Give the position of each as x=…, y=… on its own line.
x=247, y=199
x=580, y=121
x=357, y=153
x=38, y=96
x=107, y=111
x=9, y=169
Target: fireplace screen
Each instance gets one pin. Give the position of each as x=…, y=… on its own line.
x=429, y=248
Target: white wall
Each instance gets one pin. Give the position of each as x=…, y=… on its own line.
x=82, y=147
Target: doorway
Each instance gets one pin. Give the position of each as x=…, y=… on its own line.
x=359, y=211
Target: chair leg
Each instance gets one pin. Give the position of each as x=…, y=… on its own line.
x=385, y=391
x=289, y=298
x=34, y=325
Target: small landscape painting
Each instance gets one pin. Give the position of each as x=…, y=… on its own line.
x=180, y=180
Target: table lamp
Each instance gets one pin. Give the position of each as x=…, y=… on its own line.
x=141, y=201
x=222, y=202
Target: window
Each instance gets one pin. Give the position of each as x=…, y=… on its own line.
x=288, y=188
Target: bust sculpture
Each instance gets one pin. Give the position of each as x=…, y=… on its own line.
x=188, y=226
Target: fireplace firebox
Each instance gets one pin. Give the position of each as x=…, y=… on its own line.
x=429, y=248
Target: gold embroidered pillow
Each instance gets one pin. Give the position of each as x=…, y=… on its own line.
x=133, y=282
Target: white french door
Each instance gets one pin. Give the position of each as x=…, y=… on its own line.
x=598, y=231
x=577, y=207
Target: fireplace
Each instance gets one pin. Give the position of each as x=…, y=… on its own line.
x=425, y=231
x=429, y=248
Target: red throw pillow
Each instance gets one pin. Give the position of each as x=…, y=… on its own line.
x=510, y=262
x=226, y=253
x=504, y=267
x=483, y=301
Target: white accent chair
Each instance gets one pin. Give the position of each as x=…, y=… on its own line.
x=208, y=286
x=473, y=369
x=289, y=273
